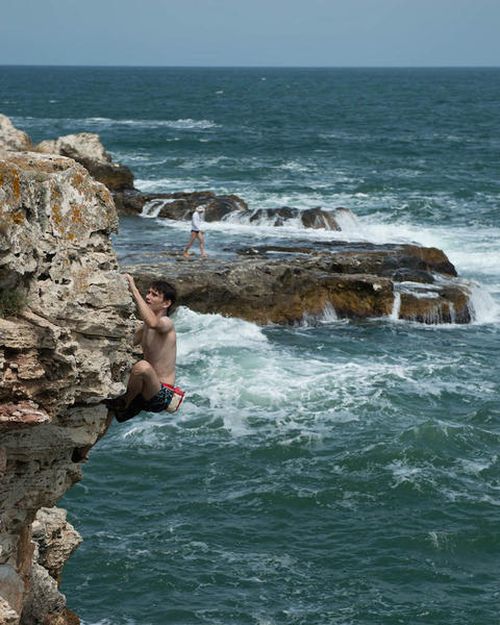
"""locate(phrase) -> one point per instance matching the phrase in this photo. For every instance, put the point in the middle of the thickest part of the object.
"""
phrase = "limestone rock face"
(86, 148)
(10, 137)
(84, 145)
(56, 539)
(65, 329)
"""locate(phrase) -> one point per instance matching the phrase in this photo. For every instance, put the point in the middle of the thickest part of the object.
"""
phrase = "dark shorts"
(158, 403)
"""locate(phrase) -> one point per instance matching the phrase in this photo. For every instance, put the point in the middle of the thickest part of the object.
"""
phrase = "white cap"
(200, 208)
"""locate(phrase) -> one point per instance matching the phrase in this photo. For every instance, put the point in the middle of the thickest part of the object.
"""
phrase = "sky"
(333, 33)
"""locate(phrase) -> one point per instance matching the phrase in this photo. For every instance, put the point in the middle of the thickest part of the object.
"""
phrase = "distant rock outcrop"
(65, 327)
(180, 205)
(309, 218)
(11, 138)
(86, 148)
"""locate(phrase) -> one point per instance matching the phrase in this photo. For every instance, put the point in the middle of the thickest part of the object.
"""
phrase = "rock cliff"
(65, 328)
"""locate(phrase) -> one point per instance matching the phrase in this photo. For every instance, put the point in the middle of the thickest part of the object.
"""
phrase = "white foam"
(294, 166)
(167, 185)
(137, 157)
(347, 221)
(478, 465)
(152, 209)
(177, 124)
(210, 331)
(234, 374)
(396, 306)
(200, 163)
(482, 307)
(404, 473)
(327, 316)
(477, 261)
(99, 123)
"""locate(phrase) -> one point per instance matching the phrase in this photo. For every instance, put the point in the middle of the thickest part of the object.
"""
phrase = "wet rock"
(397, 262)
(272, 292)
(319, 218)
(178, 206)
(283, 284)
(434, 304)
(181, 206)
(310, 218)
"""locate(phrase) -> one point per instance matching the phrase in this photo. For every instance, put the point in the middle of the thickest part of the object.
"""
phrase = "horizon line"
(111, 66)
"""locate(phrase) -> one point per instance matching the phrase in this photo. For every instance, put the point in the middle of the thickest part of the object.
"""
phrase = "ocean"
(330, 473)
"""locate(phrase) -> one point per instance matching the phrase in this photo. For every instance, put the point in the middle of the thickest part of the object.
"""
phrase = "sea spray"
(483, 308)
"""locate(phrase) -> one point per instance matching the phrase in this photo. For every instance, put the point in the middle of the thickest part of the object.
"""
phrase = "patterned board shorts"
(161, 401)
(168, 398)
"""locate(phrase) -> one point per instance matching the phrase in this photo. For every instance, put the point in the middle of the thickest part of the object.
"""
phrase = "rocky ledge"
(286, 285)
(65, 328)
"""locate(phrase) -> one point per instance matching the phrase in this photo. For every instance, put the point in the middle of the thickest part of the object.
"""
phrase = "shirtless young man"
(150, 378)
(146, 388)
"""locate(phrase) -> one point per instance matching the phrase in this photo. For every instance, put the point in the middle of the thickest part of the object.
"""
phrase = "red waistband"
(176, 389)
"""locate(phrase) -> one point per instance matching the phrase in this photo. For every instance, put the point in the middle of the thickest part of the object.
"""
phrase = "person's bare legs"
(190, 243)
(142, 381)
(201, 237)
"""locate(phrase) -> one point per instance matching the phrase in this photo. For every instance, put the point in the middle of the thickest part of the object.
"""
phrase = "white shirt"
(197, 221)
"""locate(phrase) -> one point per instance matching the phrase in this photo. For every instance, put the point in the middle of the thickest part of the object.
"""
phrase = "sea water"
(333, 472)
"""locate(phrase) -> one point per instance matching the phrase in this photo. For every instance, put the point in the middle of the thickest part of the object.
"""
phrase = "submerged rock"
(64, 347)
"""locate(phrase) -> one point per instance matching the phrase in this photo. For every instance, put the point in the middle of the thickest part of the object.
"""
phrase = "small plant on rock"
(12, 302)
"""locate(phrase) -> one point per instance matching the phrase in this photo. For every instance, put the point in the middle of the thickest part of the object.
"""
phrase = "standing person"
(150, 385)
(197, 231)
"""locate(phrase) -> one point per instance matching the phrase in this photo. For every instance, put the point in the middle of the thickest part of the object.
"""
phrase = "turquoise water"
(331, 473)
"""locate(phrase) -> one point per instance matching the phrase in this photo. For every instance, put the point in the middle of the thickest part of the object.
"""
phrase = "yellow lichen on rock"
(17, 217)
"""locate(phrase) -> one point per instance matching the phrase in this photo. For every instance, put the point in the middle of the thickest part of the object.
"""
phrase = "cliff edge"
(65, 329)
